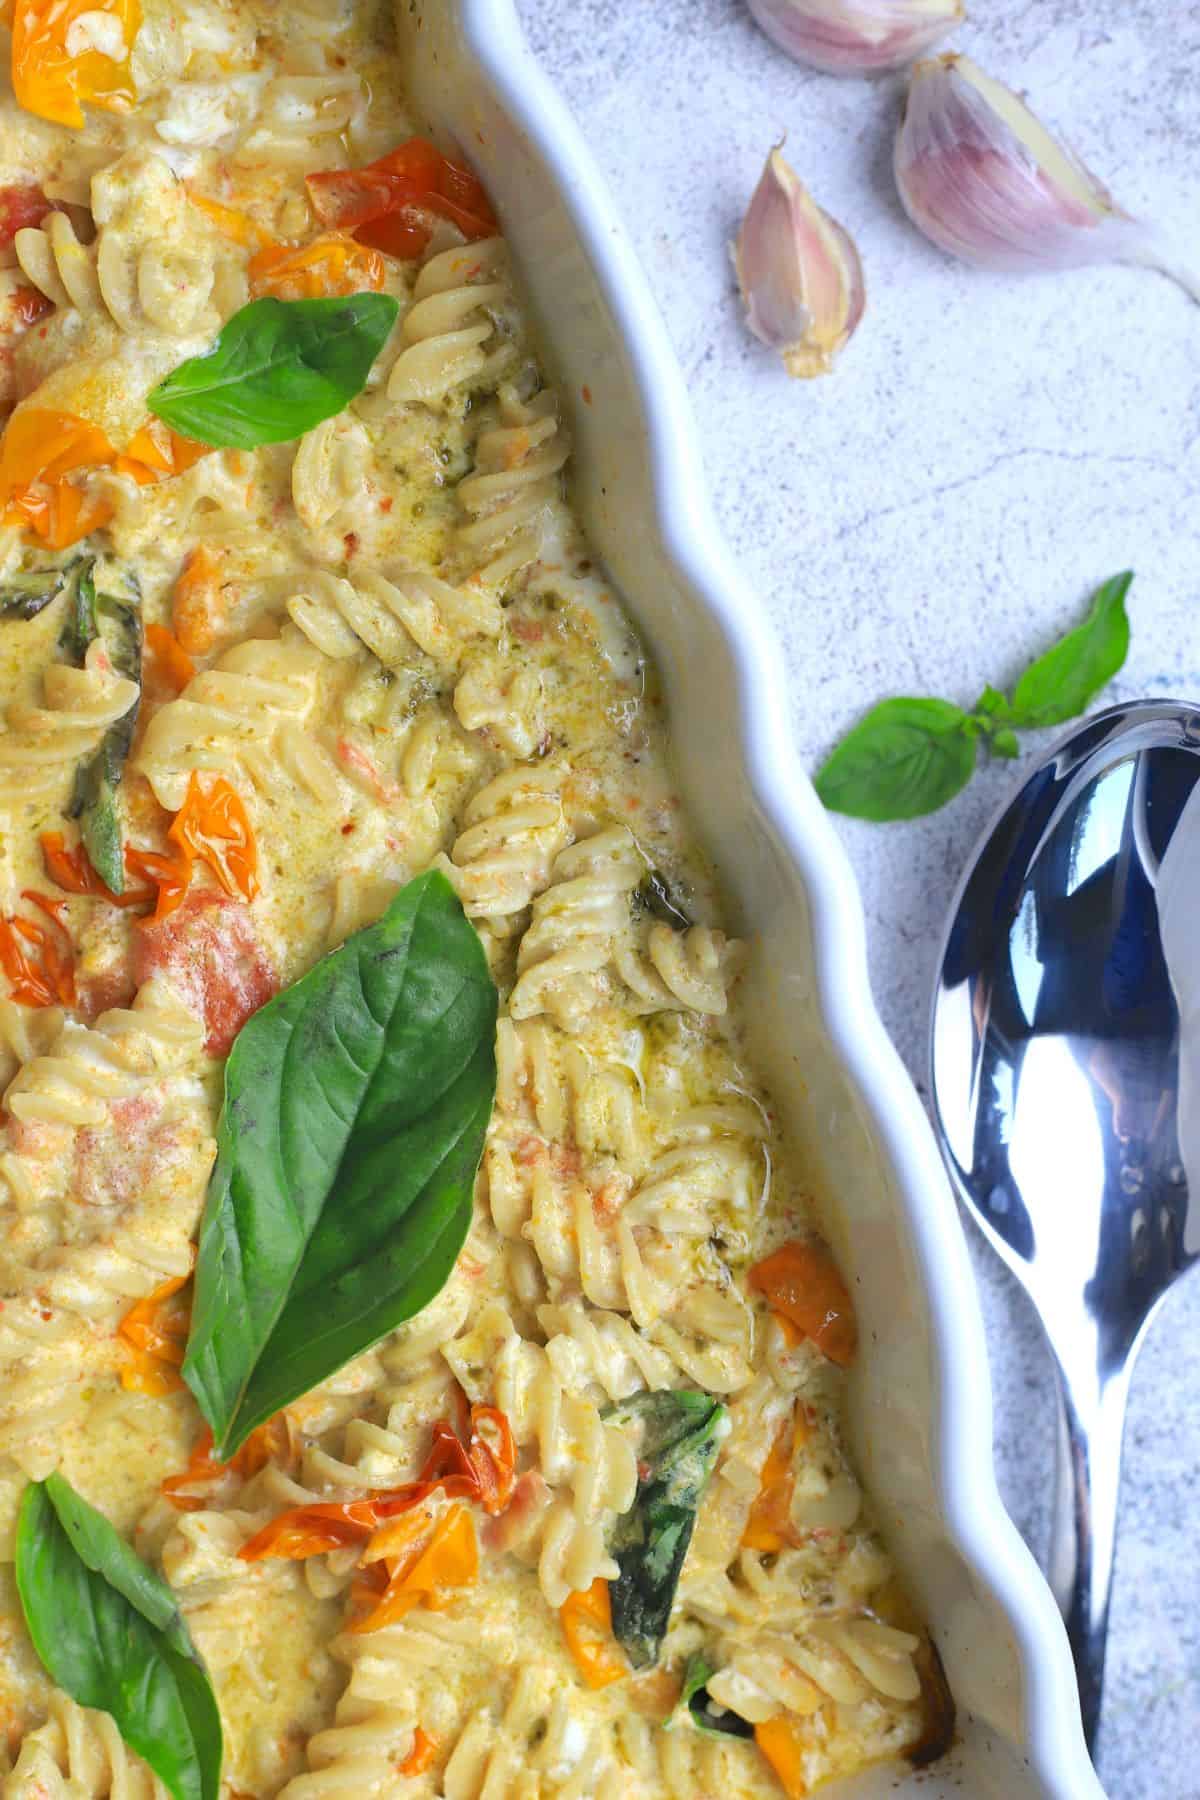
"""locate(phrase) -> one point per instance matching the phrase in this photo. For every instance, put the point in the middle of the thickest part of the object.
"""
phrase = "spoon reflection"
(1056, 1078)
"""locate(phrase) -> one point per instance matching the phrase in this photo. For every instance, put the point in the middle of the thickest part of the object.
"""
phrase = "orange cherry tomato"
(586, 1619)
(65, 52)
(801, 1282)
(330, 265)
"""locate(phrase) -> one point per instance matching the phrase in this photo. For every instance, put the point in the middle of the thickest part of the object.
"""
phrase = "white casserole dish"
(921, 1401)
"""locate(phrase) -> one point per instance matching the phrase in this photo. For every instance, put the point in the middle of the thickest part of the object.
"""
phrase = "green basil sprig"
(278, 368)
(696, 1705)
(654, 895)
(109, 1632)
(356, 1104)
(116, 619)
(677, 1436)
(25, 595)
(909, 756)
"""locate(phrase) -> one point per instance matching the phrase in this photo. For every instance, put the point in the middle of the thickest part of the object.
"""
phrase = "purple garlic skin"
(857, 37)
(982, 177)
(799, 273)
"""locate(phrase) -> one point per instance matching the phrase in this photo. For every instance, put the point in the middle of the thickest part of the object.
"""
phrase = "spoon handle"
(1091, 1424)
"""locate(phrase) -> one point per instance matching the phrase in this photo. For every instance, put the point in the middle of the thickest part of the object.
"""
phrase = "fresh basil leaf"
(278, 368)
(1062, 683)
(717, 1721)
(25, 595)
(356, 1104)
(1004, 743)
(678, 1436)
(653, 895)
(109, 1632)
(907, 757)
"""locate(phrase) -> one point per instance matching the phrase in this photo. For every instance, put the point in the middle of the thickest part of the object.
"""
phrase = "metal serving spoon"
(1056, 1078)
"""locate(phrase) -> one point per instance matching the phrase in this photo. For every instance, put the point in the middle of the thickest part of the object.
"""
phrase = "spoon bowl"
(1056, 1076)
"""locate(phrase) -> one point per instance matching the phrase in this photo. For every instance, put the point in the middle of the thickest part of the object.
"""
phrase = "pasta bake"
(421, 1372)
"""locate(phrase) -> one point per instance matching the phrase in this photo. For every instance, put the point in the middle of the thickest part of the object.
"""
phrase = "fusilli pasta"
(392, 615)
(87, 1067)
(81, 1754)
(585, 947)
(591, 1462)
(251, 705)
(512, 829)
(43, 744)
(515, 481)
(455, 335)
(534, 1750)
(138, 274)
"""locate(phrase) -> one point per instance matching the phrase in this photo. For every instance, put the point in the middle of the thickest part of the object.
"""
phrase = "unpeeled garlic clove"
(985, 180)
(799, 273)
(857, 37)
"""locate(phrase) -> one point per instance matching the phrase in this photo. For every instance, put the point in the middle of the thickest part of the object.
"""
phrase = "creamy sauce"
(406, 656)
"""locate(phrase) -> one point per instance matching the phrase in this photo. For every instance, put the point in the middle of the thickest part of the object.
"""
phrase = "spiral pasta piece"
(43, 744)
(252, 705)
(515, 482)
(79, 1753)
(589, 1462)
(585, 948)
(89, 1066)
(512, 829)
(757, 1415)
(537, 1746)
(565, 955)
(505, 701)
(389, 1692)
(591, 1348)
(689, 969)
(329, 478)
(848, 1661)
(454, 335)
(682, 1763)
(25, 1033)
(391, 615)
(68, 1271)
(302, 118)
(547, 1077)
(216, 497)
(60, 1312)
(150, 268)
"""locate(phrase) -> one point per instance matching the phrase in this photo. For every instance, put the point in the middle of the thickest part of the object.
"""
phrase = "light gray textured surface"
(987, 451)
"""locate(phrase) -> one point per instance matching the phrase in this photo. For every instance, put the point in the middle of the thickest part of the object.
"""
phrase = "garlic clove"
(857, 37)
(799, 273)
(982, 177)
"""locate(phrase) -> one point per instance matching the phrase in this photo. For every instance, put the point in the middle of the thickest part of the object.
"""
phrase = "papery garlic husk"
(982, 177)
(857, 37)
(799, 273)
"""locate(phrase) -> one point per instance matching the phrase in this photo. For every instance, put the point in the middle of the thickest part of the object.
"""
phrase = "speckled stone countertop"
(988, 451)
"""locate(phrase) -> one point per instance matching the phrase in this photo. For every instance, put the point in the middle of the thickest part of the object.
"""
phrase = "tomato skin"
(393, 204)
(209, 951)
(50, 79)
(22, 203)
(331, 264)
